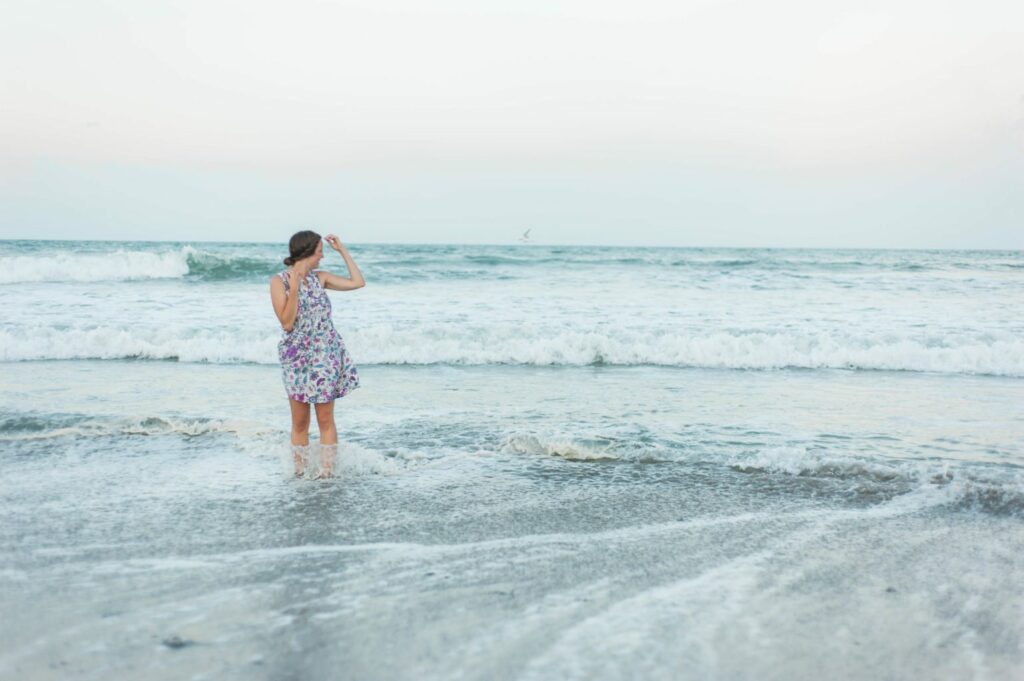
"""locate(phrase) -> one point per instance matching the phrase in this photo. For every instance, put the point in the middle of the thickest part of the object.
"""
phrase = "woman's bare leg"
(325, 422)
(300, 434)
(328, 437)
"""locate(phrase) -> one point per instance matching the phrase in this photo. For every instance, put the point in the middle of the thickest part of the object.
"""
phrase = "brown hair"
(301, 245)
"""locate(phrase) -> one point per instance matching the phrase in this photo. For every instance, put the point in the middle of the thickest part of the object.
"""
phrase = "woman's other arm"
(285, 306)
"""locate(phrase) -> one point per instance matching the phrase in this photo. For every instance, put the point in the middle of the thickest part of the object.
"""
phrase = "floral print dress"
(317, 367)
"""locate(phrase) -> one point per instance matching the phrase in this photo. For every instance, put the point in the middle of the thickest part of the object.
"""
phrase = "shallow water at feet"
(510, 522)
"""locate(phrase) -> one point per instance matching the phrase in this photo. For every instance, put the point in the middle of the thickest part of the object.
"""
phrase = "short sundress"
(316, 365)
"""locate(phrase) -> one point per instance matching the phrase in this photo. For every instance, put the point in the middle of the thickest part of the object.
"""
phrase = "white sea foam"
(798, 460)
(430, 344)
(349, 459)
(43, 429)
(223, 347)
(722, 619)
(564, 448)
(959, 484)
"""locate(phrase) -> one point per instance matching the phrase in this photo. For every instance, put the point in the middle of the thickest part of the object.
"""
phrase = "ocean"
(563, 462)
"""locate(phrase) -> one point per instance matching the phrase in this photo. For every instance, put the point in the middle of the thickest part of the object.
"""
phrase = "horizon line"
(544, 244)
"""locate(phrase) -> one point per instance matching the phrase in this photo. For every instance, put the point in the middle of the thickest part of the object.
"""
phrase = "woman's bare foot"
(327, 455)
(299, 452)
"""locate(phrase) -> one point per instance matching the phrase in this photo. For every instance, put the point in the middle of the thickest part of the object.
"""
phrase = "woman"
(317, 367)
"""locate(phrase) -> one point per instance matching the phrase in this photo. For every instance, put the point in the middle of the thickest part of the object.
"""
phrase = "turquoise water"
(939, 311)
(563, 462)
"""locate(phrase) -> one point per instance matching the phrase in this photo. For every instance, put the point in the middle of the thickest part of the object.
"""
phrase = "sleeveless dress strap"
(313, 274)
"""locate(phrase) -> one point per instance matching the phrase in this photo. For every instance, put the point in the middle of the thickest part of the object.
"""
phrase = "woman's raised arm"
(336, 281)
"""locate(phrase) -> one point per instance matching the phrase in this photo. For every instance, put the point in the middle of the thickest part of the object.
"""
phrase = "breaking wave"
(132, 265)
(425, 344)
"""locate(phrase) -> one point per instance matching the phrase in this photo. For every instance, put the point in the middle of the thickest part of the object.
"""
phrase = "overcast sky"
(791, 123)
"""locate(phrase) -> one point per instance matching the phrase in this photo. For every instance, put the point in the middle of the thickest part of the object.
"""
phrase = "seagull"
(525, 238)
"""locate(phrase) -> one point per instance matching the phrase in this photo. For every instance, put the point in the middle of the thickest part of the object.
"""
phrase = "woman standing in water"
(317, 367)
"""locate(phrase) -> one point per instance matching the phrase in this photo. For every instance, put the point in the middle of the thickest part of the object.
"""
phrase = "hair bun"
(302, 245)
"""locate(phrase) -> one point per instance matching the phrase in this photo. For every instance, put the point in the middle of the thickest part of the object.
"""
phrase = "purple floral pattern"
(317, 367)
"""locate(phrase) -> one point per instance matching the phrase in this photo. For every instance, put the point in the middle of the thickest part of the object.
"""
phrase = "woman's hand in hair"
(334, 242)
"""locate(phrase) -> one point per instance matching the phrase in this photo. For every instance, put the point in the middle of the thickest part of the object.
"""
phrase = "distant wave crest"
(82, 267)
(415, 263)
(125, 265)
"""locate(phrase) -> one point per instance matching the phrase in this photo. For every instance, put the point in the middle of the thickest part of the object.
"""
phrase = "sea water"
(563, 462)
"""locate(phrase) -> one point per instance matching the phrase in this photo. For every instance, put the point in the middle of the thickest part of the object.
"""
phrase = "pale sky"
(792, 123)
